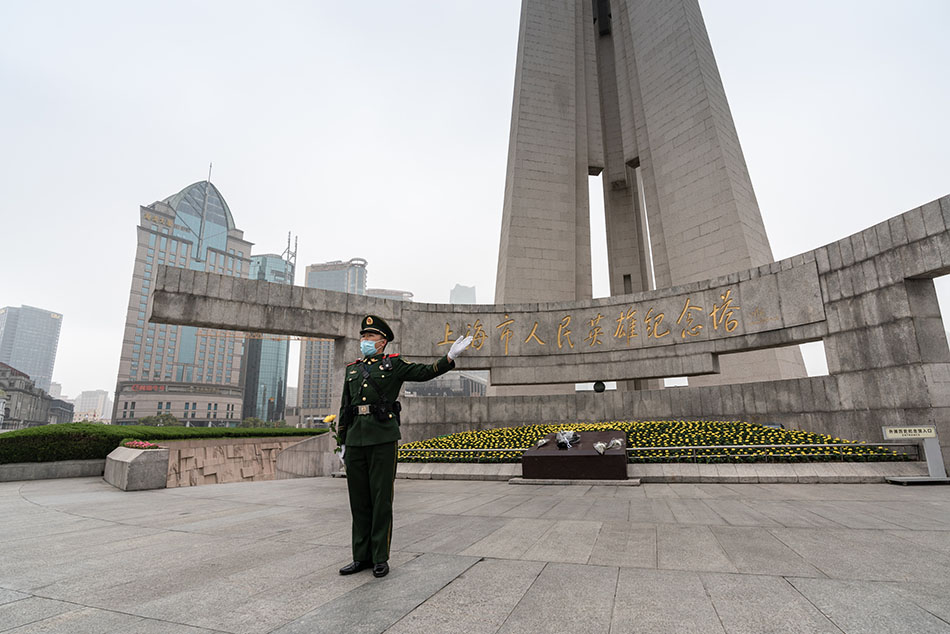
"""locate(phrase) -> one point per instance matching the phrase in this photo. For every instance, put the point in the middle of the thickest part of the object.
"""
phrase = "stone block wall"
(868, 297)
(887, 352)
(217, 460)
(312, 457)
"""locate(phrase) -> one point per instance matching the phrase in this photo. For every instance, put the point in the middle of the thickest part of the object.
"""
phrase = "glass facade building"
(190, 373)
(316, 357)
(29, 338)
(265, 358)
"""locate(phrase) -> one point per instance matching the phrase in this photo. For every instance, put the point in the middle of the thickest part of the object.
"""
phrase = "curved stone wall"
(868, 297)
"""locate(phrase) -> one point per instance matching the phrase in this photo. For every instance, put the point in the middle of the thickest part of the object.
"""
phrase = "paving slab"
(570, 507)
(655, 511)
(693, 511)
(30, 610)
(534, 506)
(8, 596)
(83, 621)
(755, 604)
(757, 551)
(645, 603)
(938, 541)
(453, 534)
(791, 514)
(740, 513)
(275, 607)
(474, 556)
(690, 548)
(627, 544)
(510, 541)
(478, 601)
(933, 597)
(863, 606)
(853, 515)
(377, 605)
(569, 541)
(610, 508)
(498, 505)
(868, 555)
(566, 598)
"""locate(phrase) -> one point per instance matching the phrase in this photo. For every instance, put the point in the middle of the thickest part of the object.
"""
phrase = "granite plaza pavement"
(476, 556)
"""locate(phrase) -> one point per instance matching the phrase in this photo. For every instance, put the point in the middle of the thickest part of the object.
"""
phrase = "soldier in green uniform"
(369, 429)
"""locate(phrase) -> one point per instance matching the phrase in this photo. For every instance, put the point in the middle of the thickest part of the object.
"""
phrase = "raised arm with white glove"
(459, 347)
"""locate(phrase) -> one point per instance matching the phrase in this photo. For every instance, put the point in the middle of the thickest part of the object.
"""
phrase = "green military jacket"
(365, 429)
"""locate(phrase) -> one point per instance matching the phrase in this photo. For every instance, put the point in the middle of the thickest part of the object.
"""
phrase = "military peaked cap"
(372, 323)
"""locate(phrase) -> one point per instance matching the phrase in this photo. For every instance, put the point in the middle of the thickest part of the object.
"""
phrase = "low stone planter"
(137, 469)
(47, 470)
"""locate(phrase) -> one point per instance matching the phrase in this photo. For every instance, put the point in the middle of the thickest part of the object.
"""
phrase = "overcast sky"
(380, 130)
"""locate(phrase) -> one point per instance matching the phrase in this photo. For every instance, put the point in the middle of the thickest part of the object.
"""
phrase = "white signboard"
(904, 433)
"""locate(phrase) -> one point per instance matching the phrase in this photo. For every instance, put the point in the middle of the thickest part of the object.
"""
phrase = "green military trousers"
(370, 473)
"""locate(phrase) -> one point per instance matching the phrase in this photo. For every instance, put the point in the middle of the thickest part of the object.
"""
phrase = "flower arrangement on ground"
(140, 444)
(655, 441)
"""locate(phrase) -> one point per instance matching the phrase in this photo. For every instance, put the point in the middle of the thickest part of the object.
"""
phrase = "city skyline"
(838, 134)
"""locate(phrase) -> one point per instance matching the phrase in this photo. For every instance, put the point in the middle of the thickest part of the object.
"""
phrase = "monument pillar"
(630, 89)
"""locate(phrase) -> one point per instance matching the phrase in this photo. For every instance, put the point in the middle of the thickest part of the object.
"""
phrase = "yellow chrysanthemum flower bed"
(659, 441)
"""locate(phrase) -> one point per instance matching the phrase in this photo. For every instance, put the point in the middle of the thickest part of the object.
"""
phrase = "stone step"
(744, 473)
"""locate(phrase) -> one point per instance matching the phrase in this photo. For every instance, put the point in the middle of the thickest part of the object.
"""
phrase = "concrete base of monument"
(578, 462)
(743, 473)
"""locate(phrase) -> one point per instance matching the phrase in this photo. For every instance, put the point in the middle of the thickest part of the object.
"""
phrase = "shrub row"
(84, 441)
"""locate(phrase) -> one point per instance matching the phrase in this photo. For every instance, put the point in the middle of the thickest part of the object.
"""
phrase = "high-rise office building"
(316, 356)
(462, 295)
(190, 373)
(265, 357)
(28, 340)
(92, 405)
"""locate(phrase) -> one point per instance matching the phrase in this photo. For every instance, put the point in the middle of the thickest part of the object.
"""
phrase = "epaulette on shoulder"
(393, 355)
(354, 363)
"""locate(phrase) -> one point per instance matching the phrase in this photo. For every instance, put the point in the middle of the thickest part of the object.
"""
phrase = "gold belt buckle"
(362, 409)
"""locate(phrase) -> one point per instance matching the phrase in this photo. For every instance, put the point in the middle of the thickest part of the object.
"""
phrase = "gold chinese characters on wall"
(597, 329)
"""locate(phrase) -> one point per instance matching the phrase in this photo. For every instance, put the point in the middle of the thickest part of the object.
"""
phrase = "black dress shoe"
(356, 566)
(381, 570)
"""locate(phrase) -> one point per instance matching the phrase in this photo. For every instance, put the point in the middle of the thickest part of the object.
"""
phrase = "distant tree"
(162, 420)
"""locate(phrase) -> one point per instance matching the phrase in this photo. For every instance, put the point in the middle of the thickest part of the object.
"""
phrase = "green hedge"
(84, 441)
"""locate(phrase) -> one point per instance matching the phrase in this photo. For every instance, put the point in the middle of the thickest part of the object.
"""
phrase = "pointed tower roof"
(195, 193)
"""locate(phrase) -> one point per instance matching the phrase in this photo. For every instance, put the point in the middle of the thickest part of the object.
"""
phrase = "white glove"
(459, 346)
(342, 451)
